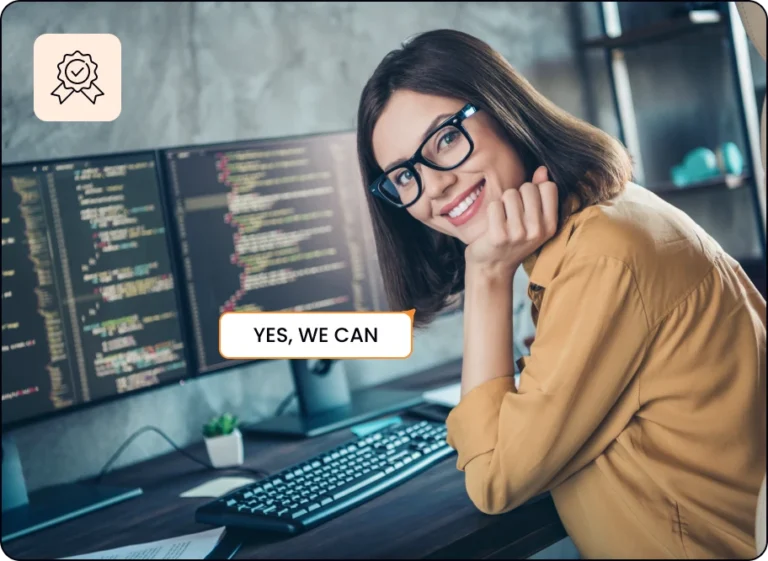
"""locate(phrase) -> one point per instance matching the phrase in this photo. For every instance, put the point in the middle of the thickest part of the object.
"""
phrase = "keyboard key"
(358, 485)
(326, 501)
(313, 506)
(299, 513)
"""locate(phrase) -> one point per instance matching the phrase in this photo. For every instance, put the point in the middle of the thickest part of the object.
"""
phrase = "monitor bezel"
(191, 368)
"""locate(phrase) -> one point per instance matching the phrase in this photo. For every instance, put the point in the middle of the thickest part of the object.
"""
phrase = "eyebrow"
(436, 121)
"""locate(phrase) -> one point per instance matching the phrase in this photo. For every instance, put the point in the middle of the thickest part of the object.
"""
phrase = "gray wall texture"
(209, 72)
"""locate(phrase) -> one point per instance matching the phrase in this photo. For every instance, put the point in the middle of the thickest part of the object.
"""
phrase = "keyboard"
(309, 493)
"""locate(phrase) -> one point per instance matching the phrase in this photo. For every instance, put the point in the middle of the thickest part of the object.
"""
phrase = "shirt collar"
(541, 266)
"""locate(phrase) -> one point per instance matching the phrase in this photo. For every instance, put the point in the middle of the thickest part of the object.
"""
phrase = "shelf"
(726, 182)
(658, 32)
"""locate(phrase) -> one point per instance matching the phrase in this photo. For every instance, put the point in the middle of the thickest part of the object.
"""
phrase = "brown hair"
(422, 268)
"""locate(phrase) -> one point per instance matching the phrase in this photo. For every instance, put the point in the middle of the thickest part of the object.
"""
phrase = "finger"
(540, 175)
(532, 210)
(513, 205)
(497, 229)
(550, 206)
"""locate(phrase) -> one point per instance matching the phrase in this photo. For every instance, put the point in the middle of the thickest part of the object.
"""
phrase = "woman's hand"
(517, 226)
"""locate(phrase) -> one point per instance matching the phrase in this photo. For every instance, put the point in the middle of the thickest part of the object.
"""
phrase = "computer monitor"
(90, 307)
(279, 225)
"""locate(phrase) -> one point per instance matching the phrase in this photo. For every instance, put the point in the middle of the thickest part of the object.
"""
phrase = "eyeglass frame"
(410, 164)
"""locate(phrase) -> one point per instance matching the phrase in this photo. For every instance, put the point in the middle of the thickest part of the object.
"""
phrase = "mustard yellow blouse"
(642, 406)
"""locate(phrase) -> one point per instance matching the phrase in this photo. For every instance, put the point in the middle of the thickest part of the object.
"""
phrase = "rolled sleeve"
(473, 424)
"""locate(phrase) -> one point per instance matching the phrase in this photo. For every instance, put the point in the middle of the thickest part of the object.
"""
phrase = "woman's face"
(452, 202)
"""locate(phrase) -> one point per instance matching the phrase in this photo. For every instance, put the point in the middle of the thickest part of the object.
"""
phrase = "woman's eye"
(447, 139)
(404, 178)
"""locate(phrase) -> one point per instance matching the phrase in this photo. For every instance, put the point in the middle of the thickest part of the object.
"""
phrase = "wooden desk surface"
(428, 516)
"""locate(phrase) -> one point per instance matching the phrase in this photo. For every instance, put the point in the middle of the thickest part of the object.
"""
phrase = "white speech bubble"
(274, 335)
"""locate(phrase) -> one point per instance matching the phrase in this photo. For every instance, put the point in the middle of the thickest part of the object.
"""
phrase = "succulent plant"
(220, 425)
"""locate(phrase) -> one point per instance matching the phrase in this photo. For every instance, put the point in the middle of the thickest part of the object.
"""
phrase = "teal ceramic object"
(729, 158)
(700, 164)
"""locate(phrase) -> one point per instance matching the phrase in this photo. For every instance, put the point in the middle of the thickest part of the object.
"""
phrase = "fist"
(518, 225)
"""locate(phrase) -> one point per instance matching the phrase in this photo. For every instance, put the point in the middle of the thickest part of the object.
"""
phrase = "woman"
(642, 405)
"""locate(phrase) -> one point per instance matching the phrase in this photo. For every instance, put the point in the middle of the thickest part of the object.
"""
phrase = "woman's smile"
(465, 206)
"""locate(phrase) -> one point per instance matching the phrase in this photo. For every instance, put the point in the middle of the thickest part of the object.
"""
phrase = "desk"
(429, 516)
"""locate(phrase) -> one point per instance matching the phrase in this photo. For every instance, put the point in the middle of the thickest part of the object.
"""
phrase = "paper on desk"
(217, 487)
(449, 396)
(191, 546)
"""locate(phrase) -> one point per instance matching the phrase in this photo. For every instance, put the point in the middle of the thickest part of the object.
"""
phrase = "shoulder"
(663, 248)
(639, 228)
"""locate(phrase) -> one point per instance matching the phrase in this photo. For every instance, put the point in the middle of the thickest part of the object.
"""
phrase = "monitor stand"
(26, 513)
(326, 403)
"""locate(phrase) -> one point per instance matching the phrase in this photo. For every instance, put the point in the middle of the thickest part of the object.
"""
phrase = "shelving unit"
(725, 24)
(713, 184)
(656, 33)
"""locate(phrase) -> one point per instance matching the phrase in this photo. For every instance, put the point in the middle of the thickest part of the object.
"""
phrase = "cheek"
(421, 211)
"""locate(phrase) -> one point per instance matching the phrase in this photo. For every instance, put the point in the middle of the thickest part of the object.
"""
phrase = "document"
(449, 396)
(217, 487)
(191, 546)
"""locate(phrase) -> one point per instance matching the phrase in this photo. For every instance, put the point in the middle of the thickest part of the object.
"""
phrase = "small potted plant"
(223, 441)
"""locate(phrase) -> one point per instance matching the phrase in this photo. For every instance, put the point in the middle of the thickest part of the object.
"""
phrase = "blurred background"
(680, 84)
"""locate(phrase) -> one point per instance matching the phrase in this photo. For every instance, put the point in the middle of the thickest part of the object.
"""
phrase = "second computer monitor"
(272, 225)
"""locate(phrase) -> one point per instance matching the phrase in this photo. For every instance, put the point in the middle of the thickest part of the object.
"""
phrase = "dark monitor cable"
(320, 368)
(142, 430)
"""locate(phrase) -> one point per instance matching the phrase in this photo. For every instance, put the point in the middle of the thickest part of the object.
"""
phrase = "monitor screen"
(271, 225)
(89, 303)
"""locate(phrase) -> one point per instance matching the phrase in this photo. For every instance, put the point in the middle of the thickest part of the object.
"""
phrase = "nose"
(436, 182)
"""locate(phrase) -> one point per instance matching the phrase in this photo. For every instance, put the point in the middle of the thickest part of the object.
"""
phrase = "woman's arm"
(488, 345)
(517, 225)
(591, 338)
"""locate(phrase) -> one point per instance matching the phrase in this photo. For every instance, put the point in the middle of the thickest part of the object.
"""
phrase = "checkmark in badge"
(77, 77)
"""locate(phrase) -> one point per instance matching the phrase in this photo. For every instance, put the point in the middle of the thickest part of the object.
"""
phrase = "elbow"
(494, 495)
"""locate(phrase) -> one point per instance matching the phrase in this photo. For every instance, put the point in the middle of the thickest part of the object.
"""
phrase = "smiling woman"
(649, 356)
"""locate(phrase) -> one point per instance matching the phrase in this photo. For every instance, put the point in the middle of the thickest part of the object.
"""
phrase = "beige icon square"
(77, 77)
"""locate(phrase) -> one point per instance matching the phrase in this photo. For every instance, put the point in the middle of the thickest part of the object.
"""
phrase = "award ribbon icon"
(77, 73)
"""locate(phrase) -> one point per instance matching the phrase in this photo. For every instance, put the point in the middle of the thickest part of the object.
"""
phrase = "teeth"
(462, 207)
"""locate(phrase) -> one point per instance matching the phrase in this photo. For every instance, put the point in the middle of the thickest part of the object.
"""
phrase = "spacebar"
(359, 485)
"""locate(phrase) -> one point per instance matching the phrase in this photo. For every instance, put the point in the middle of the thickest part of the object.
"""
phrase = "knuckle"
(509, 195)
(516, 235)
(551, 229)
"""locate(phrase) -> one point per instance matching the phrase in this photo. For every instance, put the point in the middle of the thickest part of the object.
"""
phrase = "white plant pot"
(225, 451)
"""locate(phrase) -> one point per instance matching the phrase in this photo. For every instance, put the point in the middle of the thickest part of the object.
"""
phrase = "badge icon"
(77, 73)
(77, 77)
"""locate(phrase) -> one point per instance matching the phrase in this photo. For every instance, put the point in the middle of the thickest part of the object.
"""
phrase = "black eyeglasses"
(446, 148)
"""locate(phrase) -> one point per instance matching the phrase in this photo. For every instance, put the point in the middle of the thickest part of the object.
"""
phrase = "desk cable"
(142, 430)
(279, 411)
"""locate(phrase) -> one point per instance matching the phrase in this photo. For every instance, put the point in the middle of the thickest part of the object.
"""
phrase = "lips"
(465, 206)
